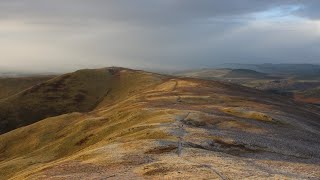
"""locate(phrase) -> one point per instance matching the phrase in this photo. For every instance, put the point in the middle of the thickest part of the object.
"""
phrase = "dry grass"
(11, 86)
(55, 138)
(81, 91)
(242, 126)
(131, 131)
(248, 114)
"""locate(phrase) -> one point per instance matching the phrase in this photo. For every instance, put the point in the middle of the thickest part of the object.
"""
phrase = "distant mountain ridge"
(298, 81)
(298, 69)
(244, 73)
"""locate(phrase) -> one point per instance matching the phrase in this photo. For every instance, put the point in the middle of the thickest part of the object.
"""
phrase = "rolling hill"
(287, 69)
(204, 73)
(80, 91)
(244, 73)
(222, 73)
(132, 124)
(295, 82)
(11, 86)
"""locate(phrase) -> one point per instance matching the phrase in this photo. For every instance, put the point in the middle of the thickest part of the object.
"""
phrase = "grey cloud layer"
(70, 34)
(148, 11)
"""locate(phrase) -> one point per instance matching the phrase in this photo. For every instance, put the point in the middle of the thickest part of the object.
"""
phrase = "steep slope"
(11, 86)
(80, 91)
(165, 127)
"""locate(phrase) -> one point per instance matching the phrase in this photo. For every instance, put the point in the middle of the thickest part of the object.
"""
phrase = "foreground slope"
(164, 127)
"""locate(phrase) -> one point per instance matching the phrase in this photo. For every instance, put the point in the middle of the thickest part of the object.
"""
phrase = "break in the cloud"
(63, 35)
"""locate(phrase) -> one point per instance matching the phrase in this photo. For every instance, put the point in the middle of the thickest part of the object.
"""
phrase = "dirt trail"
(181, 134)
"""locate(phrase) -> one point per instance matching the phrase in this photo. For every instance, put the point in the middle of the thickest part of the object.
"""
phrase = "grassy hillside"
(302, 87)
(311, 95)
(288, 69)
(80, 91)
(217, 74)
(11, 86)
(205, 73)
(244, 73)
(226, 132)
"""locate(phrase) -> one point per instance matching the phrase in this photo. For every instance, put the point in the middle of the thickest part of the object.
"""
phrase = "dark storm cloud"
(71, 34)
(310, 9)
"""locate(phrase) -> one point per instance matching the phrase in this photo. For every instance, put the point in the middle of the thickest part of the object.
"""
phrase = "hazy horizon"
(62, 36)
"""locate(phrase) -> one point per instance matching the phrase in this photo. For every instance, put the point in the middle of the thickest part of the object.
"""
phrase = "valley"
(300, 85)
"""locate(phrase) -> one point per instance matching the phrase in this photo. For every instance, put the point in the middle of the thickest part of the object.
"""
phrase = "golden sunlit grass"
(248, 114)
(55, 138)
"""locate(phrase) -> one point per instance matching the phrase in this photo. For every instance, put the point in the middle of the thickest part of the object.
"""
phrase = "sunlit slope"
(222, 74)
(11, 86)
(80, 91)
(225, 131)
(205, 73)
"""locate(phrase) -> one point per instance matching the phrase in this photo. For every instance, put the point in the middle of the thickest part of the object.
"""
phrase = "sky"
(65, 35)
